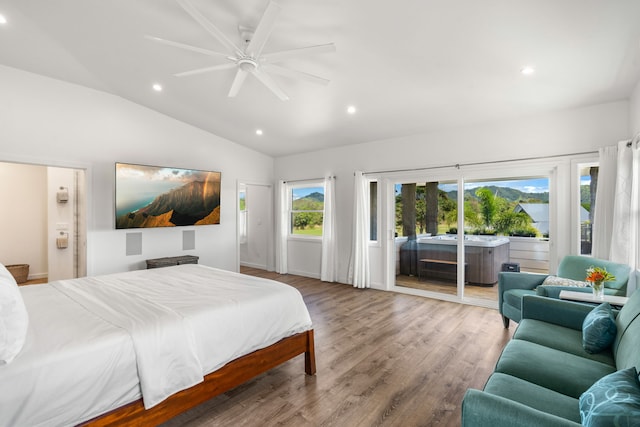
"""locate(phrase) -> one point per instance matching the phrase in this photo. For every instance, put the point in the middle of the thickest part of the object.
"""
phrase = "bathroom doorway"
(44, 222)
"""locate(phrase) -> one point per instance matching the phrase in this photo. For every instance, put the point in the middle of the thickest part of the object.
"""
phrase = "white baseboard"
(305, 274)
(252, 265)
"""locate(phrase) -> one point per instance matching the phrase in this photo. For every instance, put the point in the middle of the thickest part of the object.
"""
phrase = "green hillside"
(507, 193)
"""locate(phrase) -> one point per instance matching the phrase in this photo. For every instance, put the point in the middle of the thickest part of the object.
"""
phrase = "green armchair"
(513, 286)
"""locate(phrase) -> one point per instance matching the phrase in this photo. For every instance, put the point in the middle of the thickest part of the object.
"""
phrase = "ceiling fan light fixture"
(247, 64)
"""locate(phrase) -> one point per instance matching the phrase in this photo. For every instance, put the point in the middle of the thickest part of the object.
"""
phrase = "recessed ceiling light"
(351, 109)
(258, 131)
(528, 70)
(3, 20)
(157, 87)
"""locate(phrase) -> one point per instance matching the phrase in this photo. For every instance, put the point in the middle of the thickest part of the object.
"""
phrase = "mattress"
(93, 341)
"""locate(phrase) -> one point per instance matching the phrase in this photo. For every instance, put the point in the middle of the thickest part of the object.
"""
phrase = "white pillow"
(13, 317)
(561, 281)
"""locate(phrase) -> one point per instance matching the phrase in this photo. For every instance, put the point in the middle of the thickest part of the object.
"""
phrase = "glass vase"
(598, 290)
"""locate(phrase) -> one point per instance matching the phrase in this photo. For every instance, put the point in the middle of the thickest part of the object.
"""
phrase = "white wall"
(46, 121)
(559, 133)
(634, 111)
(23, 217)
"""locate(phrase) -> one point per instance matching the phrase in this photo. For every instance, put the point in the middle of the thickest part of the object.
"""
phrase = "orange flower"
(599, 274)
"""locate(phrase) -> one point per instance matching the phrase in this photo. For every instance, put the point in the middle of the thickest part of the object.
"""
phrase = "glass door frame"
(551, 168)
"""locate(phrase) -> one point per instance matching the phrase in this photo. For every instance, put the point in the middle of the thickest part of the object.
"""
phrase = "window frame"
(576, 166)
(291, 211)
(242, 217)
(378, 227)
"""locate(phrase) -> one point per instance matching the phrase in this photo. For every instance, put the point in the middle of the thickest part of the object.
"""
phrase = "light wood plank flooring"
(383, 359)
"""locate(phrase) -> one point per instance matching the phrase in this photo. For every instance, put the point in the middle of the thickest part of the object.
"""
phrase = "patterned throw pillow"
(561, 281)
(613, 400)
(598, 329)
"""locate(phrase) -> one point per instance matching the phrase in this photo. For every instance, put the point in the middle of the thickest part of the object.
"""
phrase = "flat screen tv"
(153, 196)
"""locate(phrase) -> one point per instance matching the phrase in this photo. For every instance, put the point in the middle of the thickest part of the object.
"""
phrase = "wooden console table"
(172, 260)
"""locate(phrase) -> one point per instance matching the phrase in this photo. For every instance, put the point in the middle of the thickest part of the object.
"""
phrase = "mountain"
(312, 201)
(510, 194)
(186, 205)
(319, 197)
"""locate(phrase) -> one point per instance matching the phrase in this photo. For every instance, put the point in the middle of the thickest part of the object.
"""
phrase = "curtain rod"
(308, 179)
(635, 138)
(458, 165)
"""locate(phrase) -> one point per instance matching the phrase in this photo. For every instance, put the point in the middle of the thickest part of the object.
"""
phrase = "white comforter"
(97, 343)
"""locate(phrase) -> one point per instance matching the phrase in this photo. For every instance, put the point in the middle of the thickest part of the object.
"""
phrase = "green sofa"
(513, 286)
(544, 369)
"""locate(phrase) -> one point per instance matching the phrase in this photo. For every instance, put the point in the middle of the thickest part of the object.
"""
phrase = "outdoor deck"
(448, 287)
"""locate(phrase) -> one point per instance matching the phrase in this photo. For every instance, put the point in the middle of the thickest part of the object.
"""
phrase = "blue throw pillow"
(613, 400)
(598, 329)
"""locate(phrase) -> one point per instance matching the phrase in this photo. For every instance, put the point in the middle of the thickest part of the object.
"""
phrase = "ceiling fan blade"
(207, 25)
(268, 82)
(241, 75)
(260, 36)
(188, 47)
(206, 70)
(295, 74)
(286, 54)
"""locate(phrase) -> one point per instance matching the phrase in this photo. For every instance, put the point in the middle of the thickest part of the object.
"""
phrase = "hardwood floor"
(383, 359)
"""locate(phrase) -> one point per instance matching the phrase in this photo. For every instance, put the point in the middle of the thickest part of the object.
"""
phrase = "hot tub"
(483, 255)
(449, 239)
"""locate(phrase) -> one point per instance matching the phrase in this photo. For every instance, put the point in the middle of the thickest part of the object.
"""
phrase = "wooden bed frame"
(229, 376)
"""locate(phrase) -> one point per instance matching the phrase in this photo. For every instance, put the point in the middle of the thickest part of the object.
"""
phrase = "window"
(588, 185)
(373, 211)
(242, 220)
(307, 210)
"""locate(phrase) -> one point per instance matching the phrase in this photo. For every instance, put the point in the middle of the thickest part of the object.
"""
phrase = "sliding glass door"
(452, 237)
(425, 236)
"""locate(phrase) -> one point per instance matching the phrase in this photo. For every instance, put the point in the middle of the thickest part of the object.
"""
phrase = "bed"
(143, 346)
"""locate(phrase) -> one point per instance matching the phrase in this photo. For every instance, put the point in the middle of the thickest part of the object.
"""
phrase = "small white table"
(588, 297)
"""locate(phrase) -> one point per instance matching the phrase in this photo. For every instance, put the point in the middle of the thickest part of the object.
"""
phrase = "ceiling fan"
(249, 58)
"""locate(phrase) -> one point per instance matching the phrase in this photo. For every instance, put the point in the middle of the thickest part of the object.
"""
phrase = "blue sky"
(299, 193)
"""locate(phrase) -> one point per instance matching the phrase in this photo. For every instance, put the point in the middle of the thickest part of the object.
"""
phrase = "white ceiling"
(410, 66)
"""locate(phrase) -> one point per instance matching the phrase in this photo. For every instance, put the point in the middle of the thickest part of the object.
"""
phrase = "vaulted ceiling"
(408, 66)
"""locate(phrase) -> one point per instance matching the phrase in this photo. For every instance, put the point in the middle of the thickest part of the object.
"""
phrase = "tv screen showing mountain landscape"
(152, 196)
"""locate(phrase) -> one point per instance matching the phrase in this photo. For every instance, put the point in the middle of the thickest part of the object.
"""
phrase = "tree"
(408, 210)
(488, 206)
(431, 196)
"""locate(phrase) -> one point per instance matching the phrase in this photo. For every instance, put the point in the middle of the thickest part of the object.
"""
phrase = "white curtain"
(625, 233)
(605, 194)
(359, 274)
(616, 232)
(329, 266)
(282, 226)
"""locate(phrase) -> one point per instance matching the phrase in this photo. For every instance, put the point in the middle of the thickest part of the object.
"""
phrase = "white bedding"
(82, 355)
